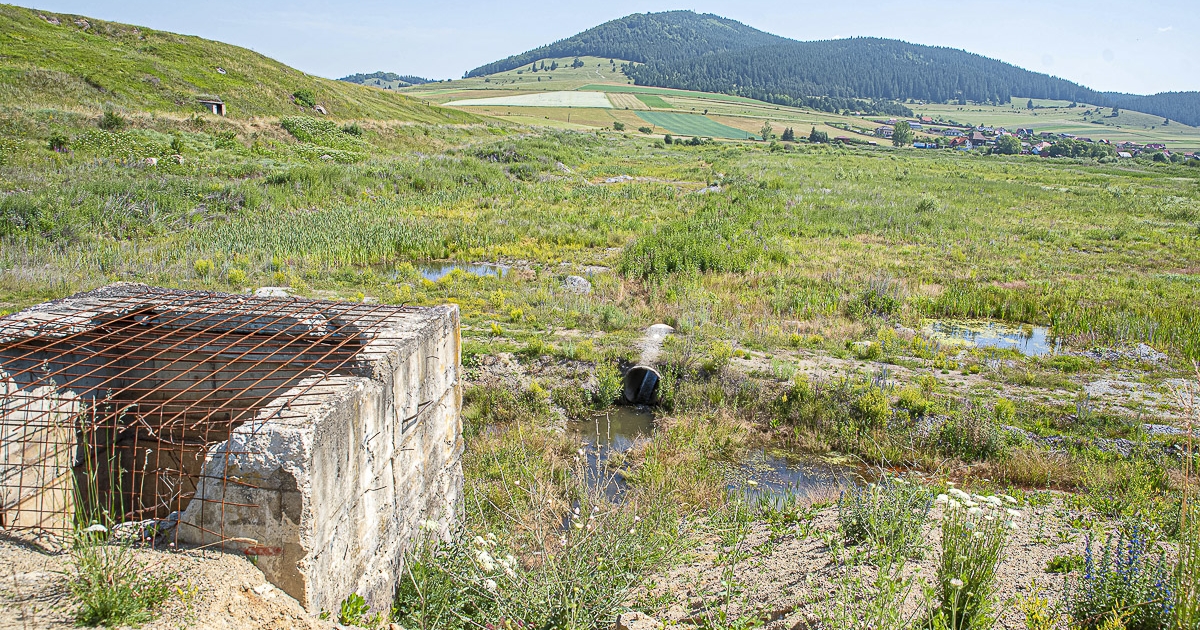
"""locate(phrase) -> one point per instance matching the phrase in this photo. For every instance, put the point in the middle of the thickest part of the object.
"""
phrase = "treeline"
(385, 76)
(644, 37)
(1183, 107)
(859, 68)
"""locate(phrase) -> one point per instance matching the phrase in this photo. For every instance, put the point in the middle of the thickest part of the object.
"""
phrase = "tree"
(619, 126)
(818, 137)
(667, 139)
(1116, 111)
(765, 132)
(1007, 145)
(578, 63)
(902, 134)
(788, 135)
(1029, 105)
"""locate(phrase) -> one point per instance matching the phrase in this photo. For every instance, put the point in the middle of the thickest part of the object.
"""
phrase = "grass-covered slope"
(57, 60)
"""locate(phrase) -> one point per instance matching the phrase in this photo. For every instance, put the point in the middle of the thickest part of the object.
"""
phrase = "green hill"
(56, 60)
(686, 50)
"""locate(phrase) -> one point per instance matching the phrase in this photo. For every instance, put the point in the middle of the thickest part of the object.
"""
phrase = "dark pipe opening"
(641, 385)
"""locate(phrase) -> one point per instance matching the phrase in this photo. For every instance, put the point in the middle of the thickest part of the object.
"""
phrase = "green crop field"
(653, 100)
(692, 125)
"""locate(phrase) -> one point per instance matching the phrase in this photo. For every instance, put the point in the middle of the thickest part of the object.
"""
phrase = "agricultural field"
(541, 99)
(692, 125)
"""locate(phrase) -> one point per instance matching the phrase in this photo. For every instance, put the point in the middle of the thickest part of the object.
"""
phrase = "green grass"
(108, 64)
(693, 125)
(653, 100)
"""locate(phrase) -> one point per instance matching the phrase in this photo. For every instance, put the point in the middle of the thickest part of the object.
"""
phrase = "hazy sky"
(1139, 46)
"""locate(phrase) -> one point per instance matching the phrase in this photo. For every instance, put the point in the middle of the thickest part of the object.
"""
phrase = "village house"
(884, 131)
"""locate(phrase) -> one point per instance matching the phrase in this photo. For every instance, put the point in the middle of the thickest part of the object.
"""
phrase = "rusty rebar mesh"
(112, 399)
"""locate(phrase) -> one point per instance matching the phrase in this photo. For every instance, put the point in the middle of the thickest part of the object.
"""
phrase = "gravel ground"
(215, 590)
(787, 577)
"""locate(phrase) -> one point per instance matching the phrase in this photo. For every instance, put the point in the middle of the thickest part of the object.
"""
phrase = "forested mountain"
(400, 80)
(671, 36)
(682, 49)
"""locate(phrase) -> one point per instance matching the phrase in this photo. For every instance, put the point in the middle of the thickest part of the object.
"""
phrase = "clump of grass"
(1127, 582)
(112, 586)
(974, 534)
(889, 515)
(111, 121)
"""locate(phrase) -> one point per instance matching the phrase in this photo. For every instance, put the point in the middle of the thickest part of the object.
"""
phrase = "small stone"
(636, 621)
(578, 284)
(263, 589)
(150, 161)
(273, 292)
(320, 110)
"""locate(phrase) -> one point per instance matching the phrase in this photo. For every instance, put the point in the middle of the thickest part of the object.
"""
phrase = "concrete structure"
(318, 437)
(213, 104)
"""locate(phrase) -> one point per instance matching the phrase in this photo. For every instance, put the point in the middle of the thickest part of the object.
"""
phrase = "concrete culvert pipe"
(641, 385)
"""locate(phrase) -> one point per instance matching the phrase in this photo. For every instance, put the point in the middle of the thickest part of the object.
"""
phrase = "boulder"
(578, 284)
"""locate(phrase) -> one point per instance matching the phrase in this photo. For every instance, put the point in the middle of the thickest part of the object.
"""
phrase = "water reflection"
(1028, 340)
(608, 436)
(773, 474)
(434, 271)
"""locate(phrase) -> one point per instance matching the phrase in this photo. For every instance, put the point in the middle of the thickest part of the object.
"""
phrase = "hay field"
(541, 99)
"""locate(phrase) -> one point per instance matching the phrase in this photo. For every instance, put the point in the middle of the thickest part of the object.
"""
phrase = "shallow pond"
(1028, 340)
(776, 475)
(609, 433)
(434, 271)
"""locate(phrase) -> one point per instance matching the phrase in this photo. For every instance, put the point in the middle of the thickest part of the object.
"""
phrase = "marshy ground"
(1012, 325)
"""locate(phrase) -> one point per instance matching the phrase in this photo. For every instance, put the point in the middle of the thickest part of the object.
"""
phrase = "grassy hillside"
(57, 60)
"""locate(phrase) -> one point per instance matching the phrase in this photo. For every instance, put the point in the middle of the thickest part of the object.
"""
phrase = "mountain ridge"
(706, 52)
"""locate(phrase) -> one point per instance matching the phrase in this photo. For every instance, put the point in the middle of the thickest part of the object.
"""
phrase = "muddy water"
(610, 433)
(775, 474)
(1028, 340)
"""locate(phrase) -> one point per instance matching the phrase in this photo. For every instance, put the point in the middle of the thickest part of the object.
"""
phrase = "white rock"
(273, 292)
(578, 284)
(636, 621)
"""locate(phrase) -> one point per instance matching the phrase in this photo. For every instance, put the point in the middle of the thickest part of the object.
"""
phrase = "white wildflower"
(959, 494)
(956, 583)
(479, 541)
(751, 482)
(975, 510)
(485, 561)
(96, 528)
(490, 585)
(977, 535)
(1012, 525)
(1008, 499)
(954, 504)
(637, 519)
(941, 498)
(1013, 513)
(969, 503)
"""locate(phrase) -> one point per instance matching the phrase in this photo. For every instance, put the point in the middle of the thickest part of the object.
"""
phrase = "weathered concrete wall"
(330, 491)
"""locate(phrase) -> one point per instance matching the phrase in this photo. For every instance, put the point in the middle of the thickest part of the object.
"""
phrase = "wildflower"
(1013, 513)
(485, 561)
(969, 503)
(490, 585)
(941, 498)
(578, 525)
(977, 535)
(96, 528)
(1012, 525)
(751, 482)
(581, 451)
(959, 494)
(595, 509)
(956, 583)
(491, 538)
(975, 510)
(576, 511)
(431, 526)
(637, 519)
(479, 541)
(1008, 499)
(954, 504)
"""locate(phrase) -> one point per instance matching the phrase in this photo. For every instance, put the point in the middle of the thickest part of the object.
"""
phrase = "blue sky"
(1140, 47)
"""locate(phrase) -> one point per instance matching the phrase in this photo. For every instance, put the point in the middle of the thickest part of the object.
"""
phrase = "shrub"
(719, 354)
(974, 534)
(618, 126)
(927, 204)
(305, 98)
(204, 267)
(1126, 580)
(608, 385)
(870, 407)
(352, 129)
(645, 130)
(112, 587)
(59, 142)
(353, 612)
(913, 400)
(971, 434)
(111, 121)
(236, 277)
(888, 515)
(176, 144)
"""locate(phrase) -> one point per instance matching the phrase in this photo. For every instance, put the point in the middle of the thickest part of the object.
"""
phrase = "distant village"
(966, 138)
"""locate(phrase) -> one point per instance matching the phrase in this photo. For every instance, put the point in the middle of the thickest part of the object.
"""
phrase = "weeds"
(113, 587)
(974, 535)
(889, 515)
(1128, 582)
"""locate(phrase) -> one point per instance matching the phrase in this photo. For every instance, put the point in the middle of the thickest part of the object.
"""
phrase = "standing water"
(434, 271)
(1028, 340)
(776, 475)
(608, 435)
